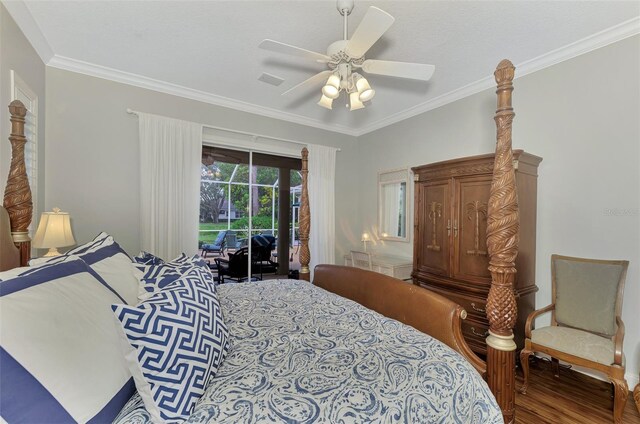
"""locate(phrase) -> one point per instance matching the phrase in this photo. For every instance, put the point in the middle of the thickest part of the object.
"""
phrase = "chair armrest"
(220, 260)
(617, 340)
(533, 315)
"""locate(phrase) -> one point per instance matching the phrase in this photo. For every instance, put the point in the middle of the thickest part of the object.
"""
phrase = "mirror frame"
(402, 175)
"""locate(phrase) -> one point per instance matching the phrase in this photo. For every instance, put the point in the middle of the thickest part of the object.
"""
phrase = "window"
(21, 91)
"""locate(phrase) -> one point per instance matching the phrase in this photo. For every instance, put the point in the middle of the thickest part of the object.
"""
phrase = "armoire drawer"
(474, 306)
(474, 332)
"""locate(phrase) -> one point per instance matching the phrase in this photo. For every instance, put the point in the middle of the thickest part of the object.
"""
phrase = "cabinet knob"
(448, 227)
(455, 228)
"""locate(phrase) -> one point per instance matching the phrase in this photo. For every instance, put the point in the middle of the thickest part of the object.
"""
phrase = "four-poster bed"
(431, 314)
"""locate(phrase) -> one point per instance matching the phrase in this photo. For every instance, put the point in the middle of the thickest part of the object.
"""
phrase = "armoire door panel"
(434, 226)
(471, 260)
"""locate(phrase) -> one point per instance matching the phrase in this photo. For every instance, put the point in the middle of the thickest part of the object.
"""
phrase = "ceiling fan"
(346, 56)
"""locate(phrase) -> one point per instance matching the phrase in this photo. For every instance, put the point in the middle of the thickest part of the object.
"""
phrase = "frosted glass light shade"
(365, 90)
(354, 100)
(54, 231)
(332, 88)
(326, 102)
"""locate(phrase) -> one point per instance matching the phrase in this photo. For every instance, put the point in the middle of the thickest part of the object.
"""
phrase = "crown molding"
(140, 81)
(595, 41)
(23, 17)
(21, 14)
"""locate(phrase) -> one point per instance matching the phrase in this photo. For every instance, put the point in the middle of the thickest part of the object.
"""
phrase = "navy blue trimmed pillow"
(109, 260)
(172, 367)
(59, 352)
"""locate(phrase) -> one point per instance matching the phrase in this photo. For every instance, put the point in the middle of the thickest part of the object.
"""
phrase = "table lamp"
(365, 239)
(53, 231)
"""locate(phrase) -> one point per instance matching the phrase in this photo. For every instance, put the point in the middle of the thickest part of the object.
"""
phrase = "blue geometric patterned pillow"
(175, 342)
(146, 258)
(156, 277)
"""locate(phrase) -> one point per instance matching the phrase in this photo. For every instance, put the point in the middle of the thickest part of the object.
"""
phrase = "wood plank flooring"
(574, 398)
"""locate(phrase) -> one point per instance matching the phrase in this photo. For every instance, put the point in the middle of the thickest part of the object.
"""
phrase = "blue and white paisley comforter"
(300, 354)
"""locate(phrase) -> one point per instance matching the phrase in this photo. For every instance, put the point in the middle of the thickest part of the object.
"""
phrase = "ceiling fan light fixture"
(345, 56)
(326, 102)
(332, 87)
(354, 100)
(365, 91)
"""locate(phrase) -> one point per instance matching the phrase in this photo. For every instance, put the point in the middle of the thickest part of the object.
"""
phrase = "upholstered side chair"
(586, 325)
(218, 246)
(361, 260)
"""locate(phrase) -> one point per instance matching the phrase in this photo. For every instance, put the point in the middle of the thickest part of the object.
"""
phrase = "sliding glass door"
(247, 212)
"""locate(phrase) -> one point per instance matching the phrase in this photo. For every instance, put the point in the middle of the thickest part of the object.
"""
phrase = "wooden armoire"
(450, 246)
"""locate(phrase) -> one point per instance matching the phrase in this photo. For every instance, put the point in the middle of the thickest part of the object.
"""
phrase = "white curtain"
(322, 175)
(170, 160)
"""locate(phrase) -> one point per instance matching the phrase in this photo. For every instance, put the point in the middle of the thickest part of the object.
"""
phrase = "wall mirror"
(393, 199)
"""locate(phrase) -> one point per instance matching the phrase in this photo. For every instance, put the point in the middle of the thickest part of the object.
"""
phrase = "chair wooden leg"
(555, 366)
(621, 393)
(524, 362)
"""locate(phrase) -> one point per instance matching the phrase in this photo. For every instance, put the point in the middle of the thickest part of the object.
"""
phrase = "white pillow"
(108, 259)
(59, 352)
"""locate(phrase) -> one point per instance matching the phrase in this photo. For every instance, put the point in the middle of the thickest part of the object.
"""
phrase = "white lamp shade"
(365, 90)
(326, 102)
(54, 230)
(332, 87)
(354, 100)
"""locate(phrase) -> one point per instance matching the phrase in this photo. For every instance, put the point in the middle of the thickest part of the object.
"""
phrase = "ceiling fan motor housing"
(345, 5)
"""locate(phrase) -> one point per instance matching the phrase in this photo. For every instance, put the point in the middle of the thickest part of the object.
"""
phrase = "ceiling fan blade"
(314, 80)
(417, 71)
(276, 46)
(375, 23)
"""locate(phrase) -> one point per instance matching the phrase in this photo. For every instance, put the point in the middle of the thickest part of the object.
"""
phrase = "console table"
(393, 266)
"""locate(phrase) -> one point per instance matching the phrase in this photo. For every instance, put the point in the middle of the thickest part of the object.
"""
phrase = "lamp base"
(53, 251)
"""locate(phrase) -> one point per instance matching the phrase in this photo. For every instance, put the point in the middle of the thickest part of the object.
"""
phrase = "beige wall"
(17, 54)
(92, 161)
(582, 117)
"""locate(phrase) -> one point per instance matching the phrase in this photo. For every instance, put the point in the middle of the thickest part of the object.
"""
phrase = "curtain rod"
(254, 135)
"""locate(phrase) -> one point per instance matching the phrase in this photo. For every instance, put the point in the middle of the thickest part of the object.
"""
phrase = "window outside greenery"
(224, 199)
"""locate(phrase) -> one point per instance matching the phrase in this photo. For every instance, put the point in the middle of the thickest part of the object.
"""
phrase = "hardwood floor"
(571, 399)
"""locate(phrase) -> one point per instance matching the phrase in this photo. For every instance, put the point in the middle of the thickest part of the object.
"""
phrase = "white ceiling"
(207, 50)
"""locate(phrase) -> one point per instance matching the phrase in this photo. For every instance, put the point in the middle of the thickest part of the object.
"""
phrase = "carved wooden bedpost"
(305, 220)
(502, 242)
(17, 193)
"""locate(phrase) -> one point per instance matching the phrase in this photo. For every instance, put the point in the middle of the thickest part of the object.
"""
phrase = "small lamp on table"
(365, 239)
(54, 231)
